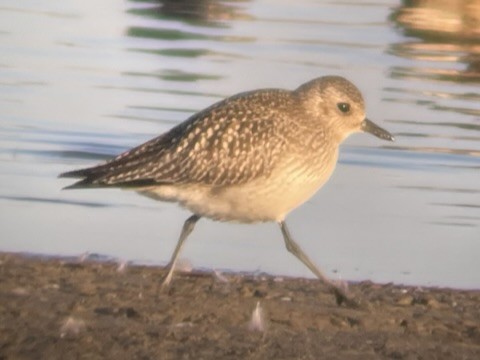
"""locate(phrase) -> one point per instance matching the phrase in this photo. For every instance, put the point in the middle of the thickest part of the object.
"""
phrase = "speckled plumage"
(252, 157)
(230, 143)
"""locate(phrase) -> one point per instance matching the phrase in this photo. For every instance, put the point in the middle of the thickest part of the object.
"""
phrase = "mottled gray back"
(231, 142)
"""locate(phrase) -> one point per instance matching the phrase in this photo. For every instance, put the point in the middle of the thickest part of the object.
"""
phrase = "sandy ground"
(69, 309)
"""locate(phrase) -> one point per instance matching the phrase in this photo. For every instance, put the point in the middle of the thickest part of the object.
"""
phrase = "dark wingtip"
(84, 174)
(89, 183)
(70, 187)
(75, 173)
(82, 184)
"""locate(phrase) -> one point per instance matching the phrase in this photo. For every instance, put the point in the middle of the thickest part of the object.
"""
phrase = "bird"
(250, 158)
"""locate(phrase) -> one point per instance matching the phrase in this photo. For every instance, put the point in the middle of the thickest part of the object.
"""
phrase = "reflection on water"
(211, 13)
(440, 46)
(446, 31)
(81, 82)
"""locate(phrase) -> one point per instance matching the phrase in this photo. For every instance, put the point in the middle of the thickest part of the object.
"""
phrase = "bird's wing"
(229, 143)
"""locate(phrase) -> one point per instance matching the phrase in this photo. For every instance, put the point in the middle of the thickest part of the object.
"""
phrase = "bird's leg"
(294, 248)
(186, 230)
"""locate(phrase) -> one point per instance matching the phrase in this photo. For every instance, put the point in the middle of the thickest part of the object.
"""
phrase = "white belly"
(264, 199)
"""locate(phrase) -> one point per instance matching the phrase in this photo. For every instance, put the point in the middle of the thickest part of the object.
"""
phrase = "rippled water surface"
(81, 81)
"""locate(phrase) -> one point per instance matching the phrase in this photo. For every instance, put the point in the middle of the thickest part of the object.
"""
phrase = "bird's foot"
(342, 298)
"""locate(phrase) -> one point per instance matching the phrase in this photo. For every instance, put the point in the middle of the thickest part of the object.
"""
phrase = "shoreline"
(57, 306)
(88, 257)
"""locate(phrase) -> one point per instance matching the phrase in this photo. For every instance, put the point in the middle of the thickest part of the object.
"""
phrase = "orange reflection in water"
(440, 31)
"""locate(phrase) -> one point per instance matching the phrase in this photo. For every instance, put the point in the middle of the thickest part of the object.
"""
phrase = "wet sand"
(71, 309)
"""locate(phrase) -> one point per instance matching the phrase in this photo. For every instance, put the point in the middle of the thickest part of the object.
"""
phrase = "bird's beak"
(376, 130)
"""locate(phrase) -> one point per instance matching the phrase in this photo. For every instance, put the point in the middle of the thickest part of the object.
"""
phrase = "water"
(83, 81)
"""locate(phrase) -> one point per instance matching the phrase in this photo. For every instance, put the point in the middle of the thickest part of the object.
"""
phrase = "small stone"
(257, 321)
(434, 303)
(220, 277)
(20, 291)
(405, 300)
(71, 327)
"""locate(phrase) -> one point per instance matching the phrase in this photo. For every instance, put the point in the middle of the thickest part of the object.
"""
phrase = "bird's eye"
(344, 107)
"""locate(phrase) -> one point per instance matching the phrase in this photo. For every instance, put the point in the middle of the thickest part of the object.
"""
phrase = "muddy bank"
(58, 309)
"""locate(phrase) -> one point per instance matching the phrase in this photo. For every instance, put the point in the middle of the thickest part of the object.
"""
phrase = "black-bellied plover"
(252, 157)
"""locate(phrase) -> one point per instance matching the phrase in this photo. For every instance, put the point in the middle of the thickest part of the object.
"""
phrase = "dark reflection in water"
(199, 13)
(440, 31)
(210, 13)
(187, 29)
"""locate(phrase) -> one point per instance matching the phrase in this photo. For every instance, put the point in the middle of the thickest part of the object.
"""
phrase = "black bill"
(376, 130)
